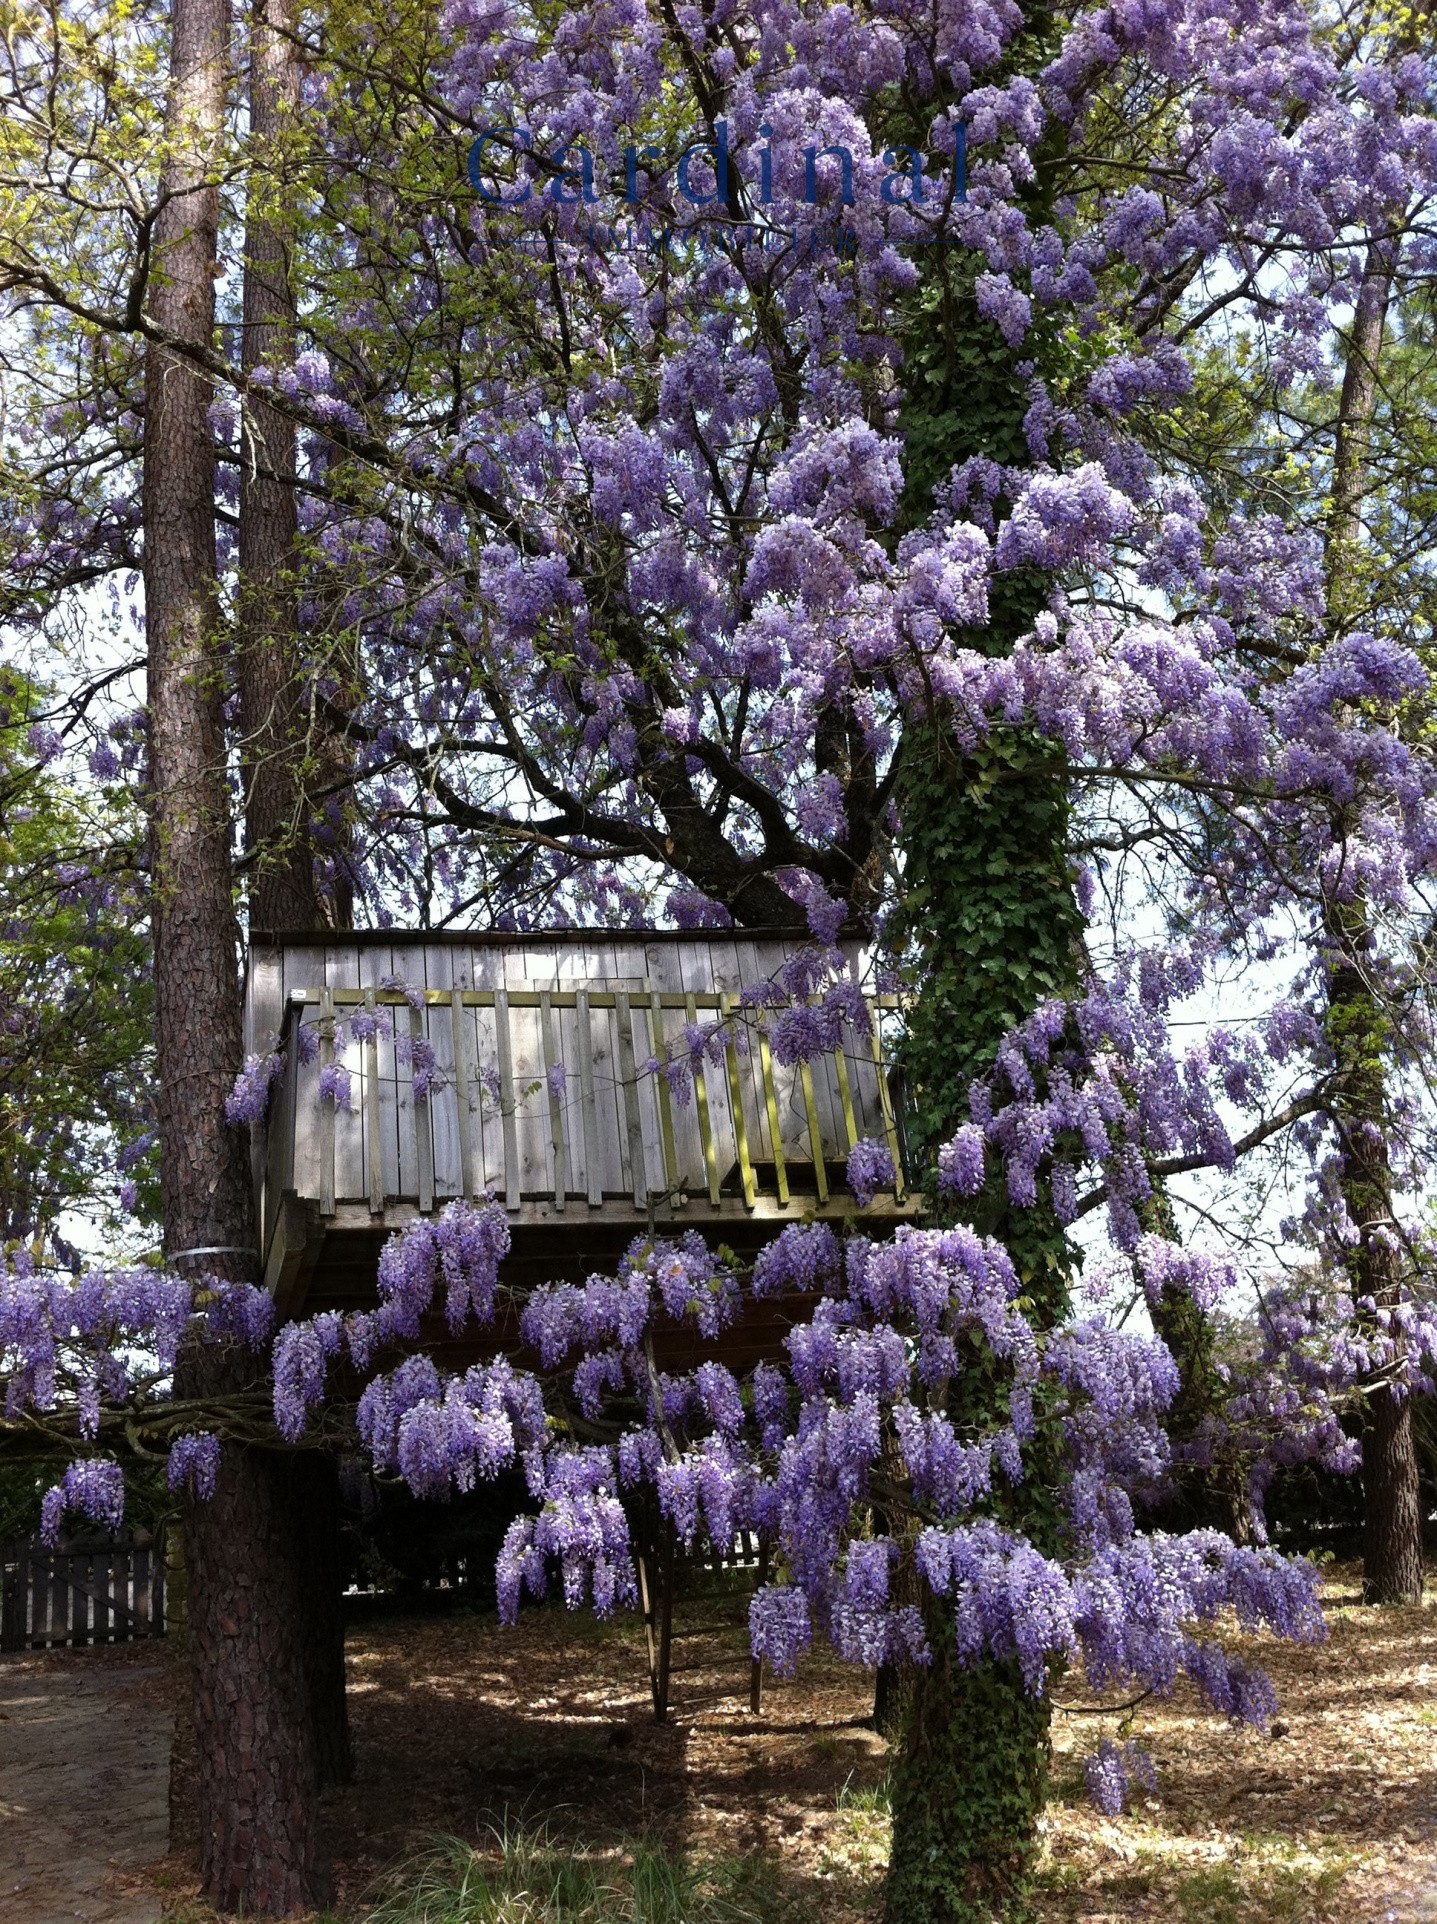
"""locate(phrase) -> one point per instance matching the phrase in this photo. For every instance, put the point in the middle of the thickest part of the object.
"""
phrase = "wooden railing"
(540, 1088)
(637, 1022)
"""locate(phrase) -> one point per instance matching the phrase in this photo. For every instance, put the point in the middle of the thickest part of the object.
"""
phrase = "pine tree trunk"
(256, 1773)
(282, 893)
(254, 1728)
(277, 832)
(1357, 1026)
(1392, 1547)
(1358, 1034)
(316, 1535)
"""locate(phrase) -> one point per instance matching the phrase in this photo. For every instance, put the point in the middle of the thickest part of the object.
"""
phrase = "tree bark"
(316, 1538)
(1392, 1541)
(277, 830)
(276, 748)
(1357, 1025)
(258, 1767)
(256, 1771)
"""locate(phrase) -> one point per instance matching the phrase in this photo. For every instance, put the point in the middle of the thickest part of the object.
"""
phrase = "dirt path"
(84, 1779)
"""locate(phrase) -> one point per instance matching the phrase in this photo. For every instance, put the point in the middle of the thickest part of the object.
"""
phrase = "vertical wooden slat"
(7, 1603)
(423, 1124)
(397, 1174)
(531, 971)
(890, 1127)
(76, 1602)
(770, 1095)
(815, 1134)
(291, 1121)
(556, 1108)
(658, 1048)
(110, 1569)
(326, 1109)
(629, 1096)
(845, 1095)
(140, 1592)
(506, 1098)
(461, 1028)
(592, 1151)
(60, 1599)
(735, 1090)
(701, 1103)
(665, 962)
(373, 1143)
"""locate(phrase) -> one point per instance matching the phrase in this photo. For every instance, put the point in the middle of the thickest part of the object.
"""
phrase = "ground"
(84, 1776)
(459, 1725)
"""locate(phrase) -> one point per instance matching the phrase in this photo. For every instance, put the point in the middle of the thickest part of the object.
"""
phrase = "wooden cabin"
(543, 1093)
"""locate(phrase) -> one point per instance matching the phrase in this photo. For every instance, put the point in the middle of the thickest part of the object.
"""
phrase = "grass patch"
(1253, 1893)
(524, 1875)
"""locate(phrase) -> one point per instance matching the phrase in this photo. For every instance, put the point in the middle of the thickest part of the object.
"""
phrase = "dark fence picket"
(97, 1593)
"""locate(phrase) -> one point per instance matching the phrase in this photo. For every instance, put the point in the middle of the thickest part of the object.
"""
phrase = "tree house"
(523, 1065)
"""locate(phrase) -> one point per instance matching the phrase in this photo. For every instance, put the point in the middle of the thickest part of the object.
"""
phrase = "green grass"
(871, 1800)
(525, 1875)
(1243, 1893)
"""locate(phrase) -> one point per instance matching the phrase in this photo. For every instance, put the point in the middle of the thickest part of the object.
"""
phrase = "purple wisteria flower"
(870, 1168)
(1113, 1772)
(94, 1488)
(193, 1464)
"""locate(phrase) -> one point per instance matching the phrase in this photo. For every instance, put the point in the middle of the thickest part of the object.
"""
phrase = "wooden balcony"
(543, 1094)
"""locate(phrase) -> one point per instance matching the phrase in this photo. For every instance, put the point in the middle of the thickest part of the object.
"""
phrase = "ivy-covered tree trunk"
(966, 1800)
(1358, 1033)
(256, 1770)
(990, 903)
(989, 906)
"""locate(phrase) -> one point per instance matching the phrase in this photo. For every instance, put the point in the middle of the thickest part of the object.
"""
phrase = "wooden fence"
(85, 1593)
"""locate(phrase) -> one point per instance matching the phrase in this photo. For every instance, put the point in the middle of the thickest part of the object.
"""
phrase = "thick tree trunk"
(1357, 1032)
(282, 893)
(967, 1802)
(316, 1536)
(1392, 1547)
(1357, 1027)
(256, 1773)
(277, 830)
(255, 1741)
(970, 1778)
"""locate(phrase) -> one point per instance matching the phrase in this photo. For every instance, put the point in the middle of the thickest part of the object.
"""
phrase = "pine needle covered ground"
(536, 1747)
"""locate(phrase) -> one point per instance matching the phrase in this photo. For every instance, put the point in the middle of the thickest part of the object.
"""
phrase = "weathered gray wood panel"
(601, 1129)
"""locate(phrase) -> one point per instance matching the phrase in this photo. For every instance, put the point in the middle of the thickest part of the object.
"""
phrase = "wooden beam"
(770, 1095)
(890, 1127)
(326, 1109)
(372, 1118)
(658, 1048)
(701, 1104)
(815, 1134)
